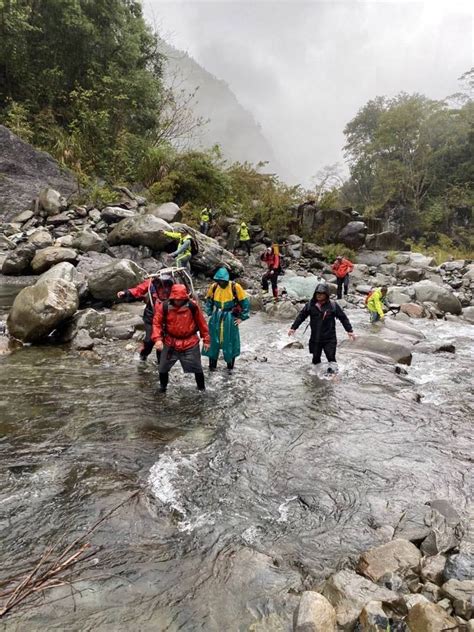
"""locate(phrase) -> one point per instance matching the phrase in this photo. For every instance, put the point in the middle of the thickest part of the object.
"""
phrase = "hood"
(222, 275)
(323, 289)
(179, 292)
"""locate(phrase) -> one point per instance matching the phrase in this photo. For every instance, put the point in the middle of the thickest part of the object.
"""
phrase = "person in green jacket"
(375, 302)
(244, 237)
(183, 252)
(227, 306)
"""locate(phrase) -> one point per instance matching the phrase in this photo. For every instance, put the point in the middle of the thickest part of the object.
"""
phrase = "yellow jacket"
(244, 234)
(375, 302)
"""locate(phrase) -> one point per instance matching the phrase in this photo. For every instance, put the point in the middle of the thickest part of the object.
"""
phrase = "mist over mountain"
(227, 122)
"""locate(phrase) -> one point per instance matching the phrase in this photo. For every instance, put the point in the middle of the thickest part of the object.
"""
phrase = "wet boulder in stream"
(105, 282)
(396, 351)
(444, 299)
(40, 308)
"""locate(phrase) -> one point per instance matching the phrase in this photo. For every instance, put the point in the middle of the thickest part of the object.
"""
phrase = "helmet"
(166, 279)
(322, 288)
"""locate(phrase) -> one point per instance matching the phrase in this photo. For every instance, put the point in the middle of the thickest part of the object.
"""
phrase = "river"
(260, 487)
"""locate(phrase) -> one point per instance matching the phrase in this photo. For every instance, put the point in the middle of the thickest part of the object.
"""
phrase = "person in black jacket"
(322, 319)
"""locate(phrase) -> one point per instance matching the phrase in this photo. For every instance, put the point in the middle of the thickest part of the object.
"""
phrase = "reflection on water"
(258, 487)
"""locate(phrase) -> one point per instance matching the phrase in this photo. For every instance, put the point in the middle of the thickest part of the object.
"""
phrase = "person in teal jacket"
(227, 306)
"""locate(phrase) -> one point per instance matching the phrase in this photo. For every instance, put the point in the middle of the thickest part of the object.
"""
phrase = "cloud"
(305, 68)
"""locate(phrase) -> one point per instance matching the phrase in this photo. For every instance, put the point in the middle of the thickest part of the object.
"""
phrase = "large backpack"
(166, 305)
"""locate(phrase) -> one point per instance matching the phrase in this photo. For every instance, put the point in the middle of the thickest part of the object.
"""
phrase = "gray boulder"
(41, 238)
(39, 309)
(468, 314)
(114, 214)
(88, 240)
(422, 261)
(170, 212)
(353, 234)
(385, 241)
(412, 274)
(89, 320)
(400, 294)
(104, 283)
(459, 566)
(64, 271)
(51, 202)
(443, 298)
(46, 258)
(283, 310)
(141, 230)
(400, 353)
(400, 329)
(18, 261)
(82, 340)
(312, 251)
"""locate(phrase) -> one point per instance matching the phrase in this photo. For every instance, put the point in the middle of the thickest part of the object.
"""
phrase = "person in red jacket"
(151, 290)
(341, 268)
(271, 257)
(176, 323)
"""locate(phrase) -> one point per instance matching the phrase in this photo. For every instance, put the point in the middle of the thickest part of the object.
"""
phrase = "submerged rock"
(400, 353)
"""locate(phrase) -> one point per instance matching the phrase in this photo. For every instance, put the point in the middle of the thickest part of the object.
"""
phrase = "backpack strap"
(234, 291)
(193, 308)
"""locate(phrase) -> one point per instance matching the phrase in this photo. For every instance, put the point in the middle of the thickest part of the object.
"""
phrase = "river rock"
(18, 261)
(105, 282)
(41, 238)
(82, 340)
(88, 240)
(400, 353)
(315, 614)
(65, 271)
(90, 262)
(349, 592)
(399, 295)
(46, 258)
(169, 211)
(283, 310)
(353, 235)
(89, 320)
(468, 314)
(40, 308)
(141, 230)
(461, 593)
(393, 557)
(432, 568)
(413, 310)
(300, 287)
(435, 525)
(373, 618)
(459, 566)
(401, 328)
(443, 298)
(412, 274)
(50, 201)
(122, 326)
(114, 214)
(429, 617)
(452, 266)
(421, 261)
(311, 251)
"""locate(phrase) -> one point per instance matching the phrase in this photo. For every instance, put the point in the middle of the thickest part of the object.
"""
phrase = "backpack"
(237, 308)
(166, 305)
(367, 297)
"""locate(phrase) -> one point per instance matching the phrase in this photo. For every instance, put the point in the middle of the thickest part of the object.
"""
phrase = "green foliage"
(102, 195)
(16, 118)
(331, 251)
(445, 249)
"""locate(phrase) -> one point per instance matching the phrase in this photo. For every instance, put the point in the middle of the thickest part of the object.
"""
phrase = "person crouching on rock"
(322, 314)
(176, 323)
(375, 301)
(271, 257)
(153, 290)
(227, 306)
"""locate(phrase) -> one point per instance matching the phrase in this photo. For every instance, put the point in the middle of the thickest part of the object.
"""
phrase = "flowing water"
(252, 491)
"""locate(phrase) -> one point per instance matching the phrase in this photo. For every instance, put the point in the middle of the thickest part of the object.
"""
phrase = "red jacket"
(342, 268)
(141, 291)
(272, 260)
(182, 325)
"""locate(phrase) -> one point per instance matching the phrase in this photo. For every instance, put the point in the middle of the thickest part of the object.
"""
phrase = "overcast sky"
(305, 68)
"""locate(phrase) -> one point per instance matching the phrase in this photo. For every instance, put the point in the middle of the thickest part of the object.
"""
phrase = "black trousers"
(148, 344)
(246, 245)
(273, 280)
(329, 348)
(342, 283)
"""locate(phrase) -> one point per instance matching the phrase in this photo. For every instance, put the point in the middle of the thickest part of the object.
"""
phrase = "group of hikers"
(173, 317)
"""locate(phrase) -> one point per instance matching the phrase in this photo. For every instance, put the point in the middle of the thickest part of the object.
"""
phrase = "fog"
(305, 68)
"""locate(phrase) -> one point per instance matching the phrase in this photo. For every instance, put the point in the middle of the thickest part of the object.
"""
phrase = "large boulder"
(300, 287)
(18, 261)
(37, 310)
(396, 556)
(211, 255)
(114, 214)
(104, 283)
(88, 240)
(46, 258)
(422, 261)
(353, 234)
(64, 271)
(283, 310)
(443, 298)
(385, 241)
(41, 238)
(51, 202)
(412, 274)
(169, 211)
(400, 329)
(141, 230)
(399, 294)
(398, 352)
(88, 320)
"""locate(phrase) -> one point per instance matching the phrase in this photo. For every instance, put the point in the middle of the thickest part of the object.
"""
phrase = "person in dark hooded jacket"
(322, 314)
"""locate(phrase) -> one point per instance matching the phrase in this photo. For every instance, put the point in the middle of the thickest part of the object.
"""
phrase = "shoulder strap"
(214, 288)
(234, 291)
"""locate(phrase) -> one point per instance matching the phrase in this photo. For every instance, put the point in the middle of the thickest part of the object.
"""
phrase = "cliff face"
(24, 171)
(229, 125)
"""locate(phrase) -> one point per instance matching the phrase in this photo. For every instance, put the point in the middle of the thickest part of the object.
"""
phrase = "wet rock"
(422, 261)
(459, 566)
(46, 258)
(373, 618)
(89, 262)
(395, 556)
(353, 234)
(39, 309)
(399, 353)
(122, 326)
(141, 230)
(18, 261)
(385, 241)
(169, 211)
(432, 568)
(412, 310)
(349, 592)
(114, 214)
(300, 287)
(404, 330)
(256, 302)
(89, 320)
(315, 614)
(429, 617)
(88, 240)
(468, 314)
(293, 344)
(311, 251)
(50, 201)
(412, 274)
(283, 310)
(104, 283)
(82, 340)
(65, 271)
(399, 295)
(440, 296)
(461, 593)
